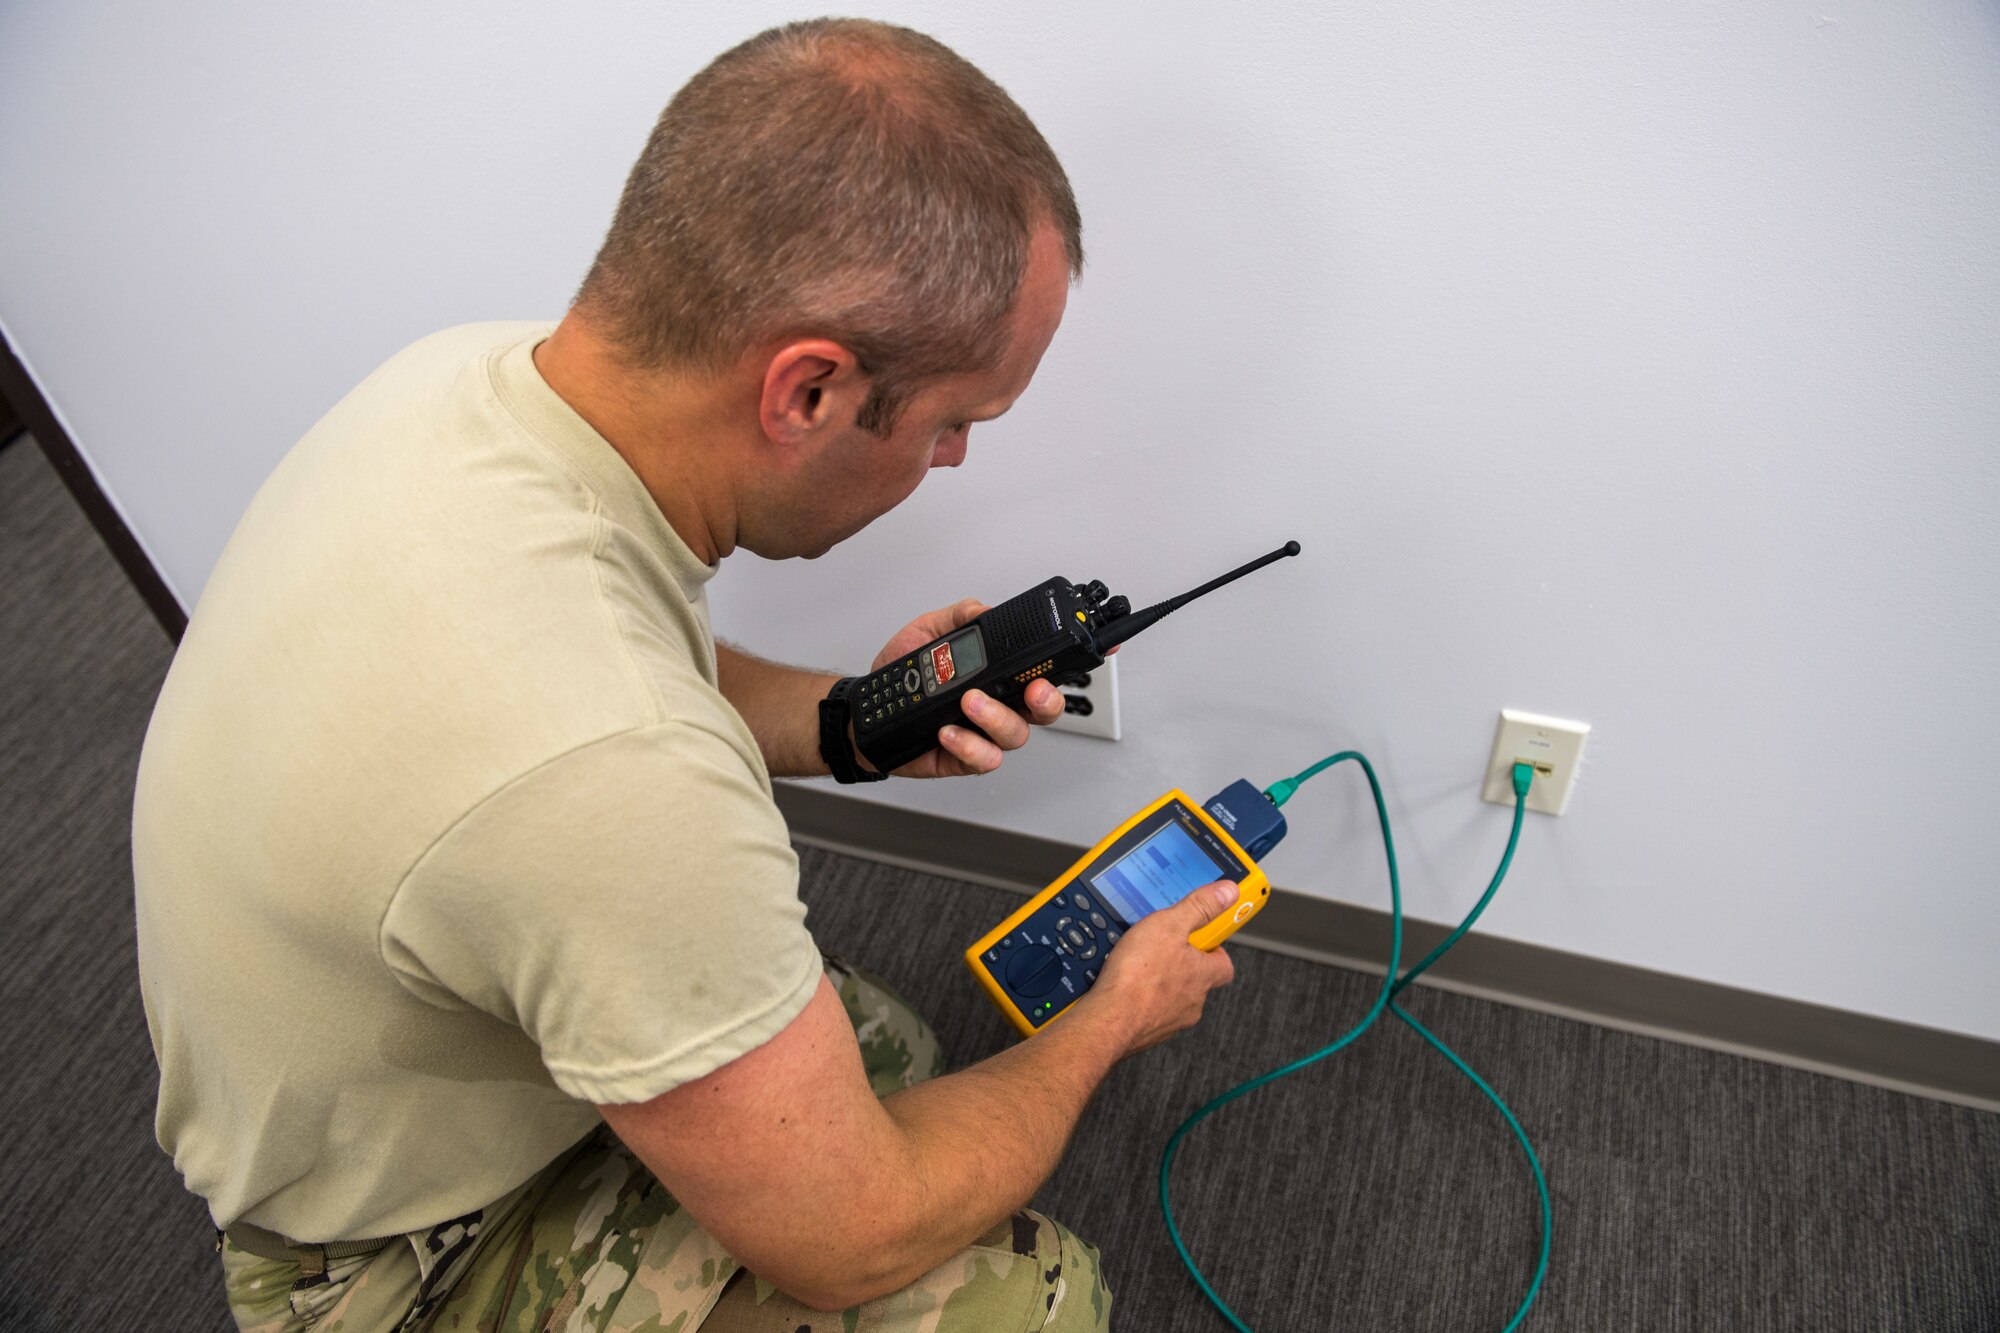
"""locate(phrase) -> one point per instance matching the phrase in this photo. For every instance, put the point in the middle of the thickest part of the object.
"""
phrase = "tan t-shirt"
(443, 831)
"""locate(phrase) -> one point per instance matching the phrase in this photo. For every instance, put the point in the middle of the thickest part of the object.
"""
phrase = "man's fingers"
(926, 627)
(1005, 727)
(1204, 905)
(1045, 703)
(970, 748)
(958, 613)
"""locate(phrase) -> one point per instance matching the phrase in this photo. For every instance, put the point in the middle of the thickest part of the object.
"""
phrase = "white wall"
(1630, 364)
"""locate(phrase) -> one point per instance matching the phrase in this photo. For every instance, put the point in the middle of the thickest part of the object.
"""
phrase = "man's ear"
(809, 386)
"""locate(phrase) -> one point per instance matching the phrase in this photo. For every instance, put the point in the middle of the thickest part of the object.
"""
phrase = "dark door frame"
(23, 398)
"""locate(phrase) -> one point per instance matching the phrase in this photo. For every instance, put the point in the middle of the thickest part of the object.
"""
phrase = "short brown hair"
(836, 178)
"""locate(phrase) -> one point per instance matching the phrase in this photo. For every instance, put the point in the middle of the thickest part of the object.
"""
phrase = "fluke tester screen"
(1158, 873)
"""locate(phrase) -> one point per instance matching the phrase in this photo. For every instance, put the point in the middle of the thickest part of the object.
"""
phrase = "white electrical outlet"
(1552, 745)
(1093, 707)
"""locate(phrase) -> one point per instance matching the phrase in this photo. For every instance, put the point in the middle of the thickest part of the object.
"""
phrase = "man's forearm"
(984, 1139)
(781, 704)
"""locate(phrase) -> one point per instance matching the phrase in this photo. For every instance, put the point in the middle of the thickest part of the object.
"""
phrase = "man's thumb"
(1211, 900)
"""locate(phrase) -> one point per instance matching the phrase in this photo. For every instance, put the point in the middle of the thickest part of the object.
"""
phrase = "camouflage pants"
(593, 1244)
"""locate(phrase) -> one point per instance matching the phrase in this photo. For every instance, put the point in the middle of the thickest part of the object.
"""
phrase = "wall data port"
(1553, 745)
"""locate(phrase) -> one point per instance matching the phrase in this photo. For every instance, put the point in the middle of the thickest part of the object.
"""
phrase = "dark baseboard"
(1901, 1056)
(24, 400)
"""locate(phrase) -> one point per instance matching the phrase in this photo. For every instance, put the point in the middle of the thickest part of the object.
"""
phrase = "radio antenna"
(1128, 625)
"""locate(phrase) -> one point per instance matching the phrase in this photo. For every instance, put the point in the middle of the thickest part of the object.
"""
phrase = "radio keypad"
(882, 697)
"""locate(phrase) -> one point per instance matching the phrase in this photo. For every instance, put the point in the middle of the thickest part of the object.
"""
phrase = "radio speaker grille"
(1020, 623)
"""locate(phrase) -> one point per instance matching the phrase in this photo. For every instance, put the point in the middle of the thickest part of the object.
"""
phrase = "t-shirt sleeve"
(632, 906)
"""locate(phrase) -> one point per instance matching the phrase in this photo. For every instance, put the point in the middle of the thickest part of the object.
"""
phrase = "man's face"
(862, 476)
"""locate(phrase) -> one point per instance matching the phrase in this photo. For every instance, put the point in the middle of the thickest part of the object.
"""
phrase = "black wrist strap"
(834, 713)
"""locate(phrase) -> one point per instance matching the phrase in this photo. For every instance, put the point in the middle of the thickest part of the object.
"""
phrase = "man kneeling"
(469, 932)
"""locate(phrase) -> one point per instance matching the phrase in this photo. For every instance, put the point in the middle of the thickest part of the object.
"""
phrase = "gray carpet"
(1374, 1191)
(1379, 1190)
(96, 1232)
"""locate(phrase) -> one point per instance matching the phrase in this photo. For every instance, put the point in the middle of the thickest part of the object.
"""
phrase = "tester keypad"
(1050, 959)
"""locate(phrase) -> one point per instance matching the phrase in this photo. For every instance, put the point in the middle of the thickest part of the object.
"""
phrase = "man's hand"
(965, 750)
(1155, 982)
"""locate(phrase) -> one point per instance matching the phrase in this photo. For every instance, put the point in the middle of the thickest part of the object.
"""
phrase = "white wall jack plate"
(1093, 708)
(1553, 746)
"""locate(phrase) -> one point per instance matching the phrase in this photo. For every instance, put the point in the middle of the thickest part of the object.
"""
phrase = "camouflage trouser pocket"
(898, 1049)
(601, 1246)
(269, 1295)
(272, 1288)
(1029, 1274)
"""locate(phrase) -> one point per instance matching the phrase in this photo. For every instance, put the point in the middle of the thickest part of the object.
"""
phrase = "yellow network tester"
(1042, 959)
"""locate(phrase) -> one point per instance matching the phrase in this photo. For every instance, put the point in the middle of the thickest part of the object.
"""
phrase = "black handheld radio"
(1059, 630)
